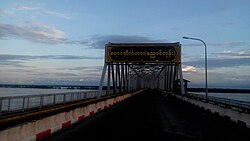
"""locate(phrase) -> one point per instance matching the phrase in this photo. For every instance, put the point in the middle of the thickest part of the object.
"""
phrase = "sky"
(62, 41)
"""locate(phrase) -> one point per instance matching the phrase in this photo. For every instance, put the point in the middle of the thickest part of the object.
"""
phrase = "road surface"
(152, 116)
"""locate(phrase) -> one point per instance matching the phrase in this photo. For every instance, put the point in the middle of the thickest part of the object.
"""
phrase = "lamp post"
(205, 59)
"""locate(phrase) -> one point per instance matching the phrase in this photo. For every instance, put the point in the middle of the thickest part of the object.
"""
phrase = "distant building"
(177, 84)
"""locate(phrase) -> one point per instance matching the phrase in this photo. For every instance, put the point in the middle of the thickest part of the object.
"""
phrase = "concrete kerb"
(39, 129)
(235, 116)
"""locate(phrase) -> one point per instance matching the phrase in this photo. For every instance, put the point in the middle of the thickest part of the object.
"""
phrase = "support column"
(123, 78)
(181, 79)
(126, 77)
(165, 78)
(108, 86)
(102, 80)
(119, 76)
(175, 76)
(113, 78)
(171, 78)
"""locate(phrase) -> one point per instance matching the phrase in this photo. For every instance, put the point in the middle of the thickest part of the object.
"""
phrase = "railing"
(241, 106)
(14, 104)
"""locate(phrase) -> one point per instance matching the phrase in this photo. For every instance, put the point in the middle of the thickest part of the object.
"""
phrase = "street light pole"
(205, 59)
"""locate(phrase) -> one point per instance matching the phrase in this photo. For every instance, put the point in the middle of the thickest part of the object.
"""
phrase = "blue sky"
(62, 41)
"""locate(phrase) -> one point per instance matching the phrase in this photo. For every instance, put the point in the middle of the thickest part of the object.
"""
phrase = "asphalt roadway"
(152, 116)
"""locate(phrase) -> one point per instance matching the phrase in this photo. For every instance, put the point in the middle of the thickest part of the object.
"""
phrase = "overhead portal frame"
(146, 65)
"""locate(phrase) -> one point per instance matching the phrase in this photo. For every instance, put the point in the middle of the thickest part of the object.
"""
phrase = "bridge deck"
(151, 116)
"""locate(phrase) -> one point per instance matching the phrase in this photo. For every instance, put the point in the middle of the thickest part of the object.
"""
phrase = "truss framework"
(125, 76)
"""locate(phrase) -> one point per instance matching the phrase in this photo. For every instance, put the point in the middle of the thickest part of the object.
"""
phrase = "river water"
(234, 96)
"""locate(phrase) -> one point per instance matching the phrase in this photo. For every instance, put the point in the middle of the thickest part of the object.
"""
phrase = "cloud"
(6, 57)
(19, 60)
(219, 44)
(189, 69)
(224, 59)
(2, 12)
(68, 57)
(36, 32)
(26, 8)
(218, 79)
(9, 13)
(13, 63)
(99, 41)
(44, 33)
(230, 80)
(73, 68)
(44, 11)
(219, 62)
(56, 74)
(244, 53)
(89, 68)
(56, 14)
(48, 75)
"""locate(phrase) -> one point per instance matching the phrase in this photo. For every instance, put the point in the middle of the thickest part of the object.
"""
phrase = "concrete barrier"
(235, 116)
(39, 129)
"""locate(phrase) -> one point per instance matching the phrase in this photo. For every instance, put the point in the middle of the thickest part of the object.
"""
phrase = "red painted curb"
(91, 113)
(82, 117)
(99, 109)
(66, 124)
(43, 134)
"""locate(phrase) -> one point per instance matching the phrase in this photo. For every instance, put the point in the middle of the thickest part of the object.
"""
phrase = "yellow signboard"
(143, 52)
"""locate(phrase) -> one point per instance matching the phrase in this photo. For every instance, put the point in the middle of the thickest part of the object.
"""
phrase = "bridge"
(145, 98)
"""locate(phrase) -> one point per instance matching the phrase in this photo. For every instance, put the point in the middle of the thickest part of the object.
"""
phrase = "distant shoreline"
(215, 90)
(48, 86)
(219, 90)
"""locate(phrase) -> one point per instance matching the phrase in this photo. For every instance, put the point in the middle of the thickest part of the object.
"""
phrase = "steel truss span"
(131, 66)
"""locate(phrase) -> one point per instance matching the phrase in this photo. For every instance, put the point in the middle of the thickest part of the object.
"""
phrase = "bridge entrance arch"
(131, 66)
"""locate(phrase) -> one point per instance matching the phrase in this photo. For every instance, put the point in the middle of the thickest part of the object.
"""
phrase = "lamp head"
(185, 37)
